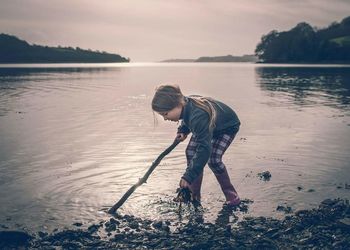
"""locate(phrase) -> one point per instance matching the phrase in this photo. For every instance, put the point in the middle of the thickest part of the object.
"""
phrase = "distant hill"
(179, 60)
(306, 44)
(228, 58)
(14, 50)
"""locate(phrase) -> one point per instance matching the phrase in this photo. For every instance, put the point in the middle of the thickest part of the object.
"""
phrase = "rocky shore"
(327, 227)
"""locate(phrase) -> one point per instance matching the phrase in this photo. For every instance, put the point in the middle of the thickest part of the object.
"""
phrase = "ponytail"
(206, 104)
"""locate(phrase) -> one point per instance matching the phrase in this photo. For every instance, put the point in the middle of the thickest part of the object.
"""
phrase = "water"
(75, 137)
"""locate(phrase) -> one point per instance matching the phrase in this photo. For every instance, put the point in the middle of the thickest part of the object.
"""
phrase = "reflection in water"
(17, 72)
(307, 86)
(13, 78)
(17, 82)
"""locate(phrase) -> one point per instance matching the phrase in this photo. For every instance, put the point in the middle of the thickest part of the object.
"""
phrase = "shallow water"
(75, 137)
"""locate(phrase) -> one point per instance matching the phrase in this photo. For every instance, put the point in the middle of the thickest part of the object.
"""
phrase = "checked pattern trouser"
(219, 145)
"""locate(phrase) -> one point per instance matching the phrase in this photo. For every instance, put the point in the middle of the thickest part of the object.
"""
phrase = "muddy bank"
(328, 226)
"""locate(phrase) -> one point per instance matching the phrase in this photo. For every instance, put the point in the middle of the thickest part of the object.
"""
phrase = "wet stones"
(134, 225)
(93, 228)
(265, 243)
(344, 223)
(341, 186)
(67, 239)
(328, 202)
(42, 234)
(109, 227)
(272, 233)
(114, 221)
(285, 209)
(326, 227)
(160, 225)
(14, 239)
(157, 224)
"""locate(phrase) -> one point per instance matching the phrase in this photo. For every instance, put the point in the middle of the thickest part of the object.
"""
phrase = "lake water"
(75, 137)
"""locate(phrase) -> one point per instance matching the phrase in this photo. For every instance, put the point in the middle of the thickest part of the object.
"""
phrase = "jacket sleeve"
(183, 128)
(203, 134)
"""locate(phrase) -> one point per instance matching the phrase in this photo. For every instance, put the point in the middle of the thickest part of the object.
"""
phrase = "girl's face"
(172, 115)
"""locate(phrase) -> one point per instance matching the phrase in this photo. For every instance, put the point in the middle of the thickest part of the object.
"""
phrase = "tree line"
(306, 44)
(14, 50)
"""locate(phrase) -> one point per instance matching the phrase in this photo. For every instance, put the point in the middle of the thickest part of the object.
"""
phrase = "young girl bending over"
(213, 126)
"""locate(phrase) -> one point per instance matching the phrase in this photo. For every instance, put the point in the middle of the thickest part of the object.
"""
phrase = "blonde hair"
(168, 97)
(206, 104)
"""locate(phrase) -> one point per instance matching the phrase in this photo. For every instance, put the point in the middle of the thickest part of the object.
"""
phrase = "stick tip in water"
(111, 211)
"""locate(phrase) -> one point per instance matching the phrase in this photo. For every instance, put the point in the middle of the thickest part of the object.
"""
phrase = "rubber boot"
(232, 198)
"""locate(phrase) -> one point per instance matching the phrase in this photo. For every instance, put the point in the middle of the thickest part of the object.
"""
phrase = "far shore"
(70, 66)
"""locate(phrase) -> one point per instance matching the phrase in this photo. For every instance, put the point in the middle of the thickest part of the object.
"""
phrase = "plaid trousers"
(219, 145)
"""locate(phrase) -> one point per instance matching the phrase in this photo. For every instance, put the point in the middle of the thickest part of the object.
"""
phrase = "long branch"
(144, 178)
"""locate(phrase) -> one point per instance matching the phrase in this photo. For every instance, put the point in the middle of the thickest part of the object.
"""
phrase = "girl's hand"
(181, 136)
(184, 184)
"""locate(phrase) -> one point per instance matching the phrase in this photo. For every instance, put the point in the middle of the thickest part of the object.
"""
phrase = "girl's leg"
(219, 146)
(197, 183)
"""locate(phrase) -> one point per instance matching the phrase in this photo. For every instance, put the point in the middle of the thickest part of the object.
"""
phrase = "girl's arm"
(200, 124)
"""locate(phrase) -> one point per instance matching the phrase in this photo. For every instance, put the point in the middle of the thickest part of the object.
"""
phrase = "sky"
(155, 30)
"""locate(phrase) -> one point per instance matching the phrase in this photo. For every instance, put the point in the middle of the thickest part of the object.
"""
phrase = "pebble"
(344, 223)
(285, 209)
(265, 176)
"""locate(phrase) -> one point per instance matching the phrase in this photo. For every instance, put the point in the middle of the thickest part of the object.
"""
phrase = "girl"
(213, 125)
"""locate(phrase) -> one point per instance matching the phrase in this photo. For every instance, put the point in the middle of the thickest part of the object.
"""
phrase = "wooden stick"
(142, 180)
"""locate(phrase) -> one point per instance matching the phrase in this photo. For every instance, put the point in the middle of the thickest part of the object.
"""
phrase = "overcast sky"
(153, 30)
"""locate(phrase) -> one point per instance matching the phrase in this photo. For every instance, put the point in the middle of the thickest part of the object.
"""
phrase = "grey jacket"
(196, 120)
